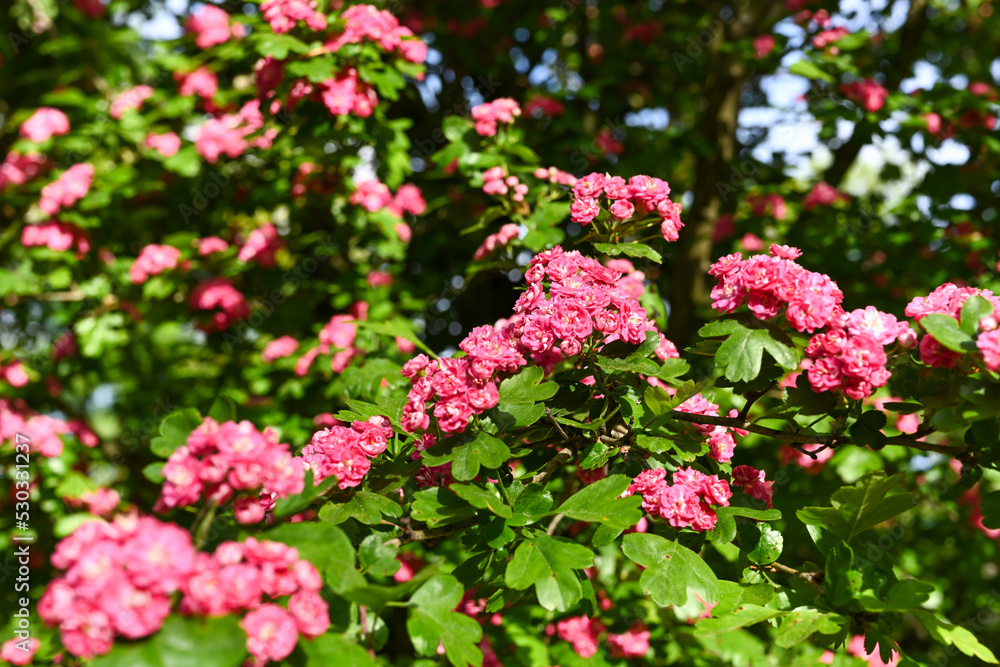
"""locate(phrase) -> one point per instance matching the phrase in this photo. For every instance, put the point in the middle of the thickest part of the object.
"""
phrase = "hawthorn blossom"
(46, 122)
(71, 186)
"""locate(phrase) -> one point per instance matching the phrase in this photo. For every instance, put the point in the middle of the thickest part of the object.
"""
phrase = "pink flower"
(57, 236)
(487, 115)
(130, 99)
(152, 261)
(762, 46)
(218, 292)
(279, 348)
(822, 194)
(633, 643)
(101, 502)
(346, 94)
(71, 186)
(622, 209)
(584, 210)
(408, 199)
(379, 279)
(582, 632)
(284, 14)
(211, 244)
(544, 106)
(18, 169)
(989, 345)
(226, 135)
(271, 632)
(44, 123)
(210, 24)
(14, 374)
(856, 647)
(166, 144)
(826, 37)
(19, 651)
(869, 94)
(201, 82)
(372, 194)
(311, 613)
(261, 245)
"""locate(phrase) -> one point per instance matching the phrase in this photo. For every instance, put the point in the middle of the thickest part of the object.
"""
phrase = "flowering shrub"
(495, 334)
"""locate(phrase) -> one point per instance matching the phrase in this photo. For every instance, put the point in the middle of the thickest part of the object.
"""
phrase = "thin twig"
(564, 455)
(410, 535)
(826, 440)
(809, 577)
(557, 425)
(554, 523)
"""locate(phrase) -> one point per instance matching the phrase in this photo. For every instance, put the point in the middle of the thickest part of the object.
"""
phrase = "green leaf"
(750, 513)
(182, 642)
(483, 498)
(154, 472)
(330, 649)
(316, 70)
(600, 503)
(272, 44)
(946, 331)
(797, 626)
(185, 162)
(527, 387)
(843, 582)
(364, 506)
(432, 622)
(174, 431)
(747, 614)
(547, 215)
(904, 596)
(513, 415)
(637, 361)
(673, 572)
(866, 430)
(860, 507)
(595, 455)
(761, 543)
(438, 505)
(298, 502)
(853, 41)
(640, 250)
(376, 557)
(325, 546)
(810, 71)
(974, 309)
(955, 635)
(223, 409)
(533, 503)
(468, 455)
(547, 563)
(991, 510)
(742, 352)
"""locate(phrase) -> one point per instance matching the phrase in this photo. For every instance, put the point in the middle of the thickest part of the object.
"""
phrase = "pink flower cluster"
(71, 186)
(18, 651)
(762, 46)
(830, 36)
(210, 245)
(218, 292)
(284, 14)
(507, 233)
(44, 123)
(219, 461)
(346, 93)
(582, 632)
(368, 22)
(130, 99)
(503, 110)
(99, 502)
(238, 576)
(210, 24)
(261, 245)
(768, 204)
(753, 483)
(346, 452)
(374, 195)
(544, 106)
(57, 236)
(14, 374)
(867, 93)
(720, 438)
(278, 348)
(166, 144)
(495, 183)
(152, 261)
(18, 169)
(850, 355)
(228, 134)
(43, 431)
(685, 503)
(202, 82)
(557, 176)
(641, 194)
(769, 282)
(948, 299)
(118, 580)
(339, 333)
(823, 194)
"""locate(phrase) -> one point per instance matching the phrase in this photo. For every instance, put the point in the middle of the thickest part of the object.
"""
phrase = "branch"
(410, 535)
(564, 455)
(810, 577)
(827, 440)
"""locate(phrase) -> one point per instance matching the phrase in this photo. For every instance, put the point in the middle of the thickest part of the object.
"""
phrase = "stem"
(202, 523)
(827, 440)
(410, 535)
(810, 577)
(564, 455)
